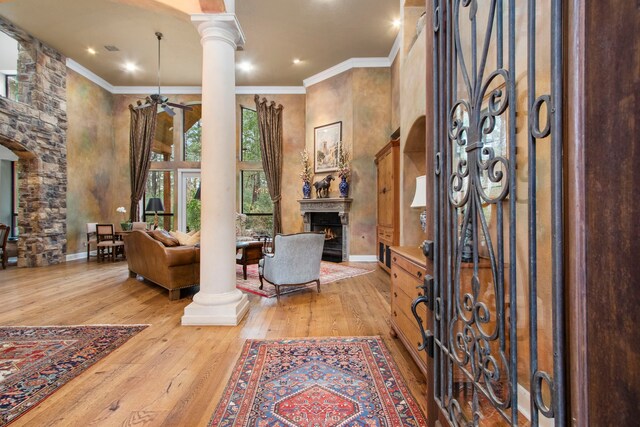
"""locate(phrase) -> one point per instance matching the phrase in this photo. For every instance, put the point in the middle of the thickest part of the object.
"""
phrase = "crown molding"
(395, 48)
(346, 66)
(270, 90)
(150, 90)
(88, 74)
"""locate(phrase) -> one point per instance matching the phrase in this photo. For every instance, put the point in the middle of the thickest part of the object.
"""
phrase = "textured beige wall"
(293, 129)
(412, 142)
(94, 191)
(361, 99)
(395, 93)
(371, 120)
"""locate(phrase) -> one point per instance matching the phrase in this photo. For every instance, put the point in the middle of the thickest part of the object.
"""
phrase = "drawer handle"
(395, 276)
(395, 259)
(395, 294)
(395, 314)
(419, 274)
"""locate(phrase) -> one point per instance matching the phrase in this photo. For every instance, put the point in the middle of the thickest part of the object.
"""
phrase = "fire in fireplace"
(329, 223)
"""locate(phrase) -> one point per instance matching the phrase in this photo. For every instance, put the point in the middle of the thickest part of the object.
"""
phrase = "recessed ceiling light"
(397, 22)
(130, 66)
(296, 60)
(245, 66)
(91, 50)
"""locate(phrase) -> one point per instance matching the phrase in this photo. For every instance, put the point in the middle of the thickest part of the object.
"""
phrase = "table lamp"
(154, 205)
(420, 200)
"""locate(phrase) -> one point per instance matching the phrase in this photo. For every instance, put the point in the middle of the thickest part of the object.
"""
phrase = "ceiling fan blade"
(182, 106)
(168, 110)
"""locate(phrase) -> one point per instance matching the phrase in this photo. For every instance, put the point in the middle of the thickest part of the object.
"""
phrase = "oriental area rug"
(329, 272)
(36, 361)
(316, 382)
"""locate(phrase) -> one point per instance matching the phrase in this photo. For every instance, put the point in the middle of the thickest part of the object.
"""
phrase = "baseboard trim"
(362, 258)
(76, 256)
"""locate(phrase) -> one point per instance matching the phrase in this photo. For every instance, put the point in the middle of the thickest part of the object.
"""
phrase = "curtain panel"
(141, 136)
(270, 127)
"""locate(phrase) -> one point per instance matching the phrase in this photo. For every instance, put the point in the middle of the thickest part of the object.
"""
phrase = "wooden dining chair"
(4, 235)
(108, 243)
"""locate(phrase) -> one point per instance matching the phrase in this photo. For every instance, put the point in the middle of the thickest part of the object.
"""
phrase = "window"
(192, 138)
(11, 89)
(160, 186)
(250, 139)
(162, 148)
(256, 201)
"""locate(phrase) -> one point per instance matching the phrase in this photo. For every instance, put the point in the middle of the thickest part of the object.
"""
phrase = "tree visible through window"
(250, 149)
(256, 202)
(193, 143)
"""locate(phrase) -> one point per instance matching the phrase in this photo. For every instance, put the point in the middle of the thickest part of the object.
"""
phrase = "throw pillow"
(165, 238)
(186, 239)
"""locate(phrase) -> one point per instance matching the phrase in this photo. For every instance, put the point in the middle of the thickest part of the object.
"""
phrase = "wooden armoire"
(388, 191)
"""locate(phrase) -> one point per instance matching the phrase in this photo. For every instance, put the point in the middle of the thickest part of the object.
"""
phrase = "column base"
(220, 313)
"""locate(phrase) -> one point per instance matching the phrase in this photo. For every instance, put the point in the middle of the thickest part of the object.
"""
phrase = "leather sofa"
(173, 268)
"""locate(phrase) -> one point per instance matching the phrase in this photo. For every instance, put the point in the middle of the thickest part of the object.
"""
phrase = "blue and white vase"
(306, 190)
(344, 187)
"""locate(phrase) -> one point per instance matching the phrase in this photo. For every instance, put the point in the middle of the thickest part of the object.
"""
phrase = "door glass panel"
(160, 188)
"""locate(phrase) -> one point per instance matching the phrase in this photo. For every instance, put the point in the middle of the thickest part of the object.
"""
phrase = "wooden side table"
(251, 253)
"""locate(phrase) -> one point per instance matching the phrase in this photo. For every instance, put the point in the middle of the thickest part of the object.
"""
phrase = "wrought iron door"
(496, 290)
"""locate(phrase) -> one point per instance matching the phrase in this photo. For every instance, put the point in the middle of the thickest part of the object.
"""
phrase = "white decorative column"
(218, 302)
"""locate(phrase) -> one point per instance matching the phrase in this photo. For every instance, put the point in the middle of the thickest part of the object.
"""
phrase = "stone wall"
(35, 129)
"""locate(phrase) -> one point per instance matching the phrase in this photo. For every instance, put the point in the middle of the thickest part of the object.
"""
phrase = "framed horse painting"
(327, 140)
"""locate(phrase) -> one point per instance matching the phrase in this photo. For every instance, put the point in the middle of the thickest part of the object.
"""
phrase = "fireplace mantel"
(339, 205)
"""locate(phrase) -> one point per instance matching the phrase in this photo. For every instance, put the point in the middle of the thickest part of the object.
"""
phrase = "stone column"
(218, 302)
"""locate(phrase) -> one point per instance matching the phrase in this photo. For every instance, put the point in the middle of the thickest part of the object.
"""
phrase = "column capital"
(219, 26)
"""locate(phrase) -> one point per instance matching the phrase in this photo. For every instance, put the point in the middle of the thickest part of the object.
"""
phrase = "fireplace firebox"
(330, 216)
(329, 223)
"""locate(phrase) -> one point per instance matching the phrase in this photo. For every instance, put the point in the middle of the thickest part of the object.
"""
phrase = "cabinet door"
(385, 190)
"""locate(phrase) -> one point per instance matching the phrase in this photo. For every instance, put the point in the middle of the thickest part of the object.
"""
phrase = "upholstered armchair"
(295, 261)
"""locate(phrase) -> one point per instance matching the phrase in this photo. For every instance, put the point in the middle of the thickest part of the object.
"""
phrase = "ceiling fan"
(162, 101)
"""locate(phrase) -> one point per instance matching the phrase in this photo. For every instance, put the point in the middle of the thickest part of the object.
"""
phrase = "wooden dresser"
(388, 192)
(407, 274)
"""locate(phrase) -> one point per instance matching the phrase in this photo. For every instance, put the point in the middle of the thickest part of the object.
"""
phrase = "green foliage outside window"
(250, 139)
(255, 193)
(193, 143)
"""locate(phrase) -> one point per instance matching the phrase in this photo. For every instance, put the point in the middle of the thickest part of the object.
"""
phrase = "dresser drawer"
(408, 327)
(409, 266)
(403, 282)
(385, 234)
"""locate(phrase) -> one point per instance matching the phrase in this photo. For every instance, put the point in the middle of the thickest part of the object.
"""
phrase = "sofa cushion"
(165, 238)
(186, 239)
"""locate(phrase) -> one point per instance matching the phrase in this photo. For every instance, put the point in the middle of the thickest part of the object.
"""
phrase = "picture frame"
(326, 145)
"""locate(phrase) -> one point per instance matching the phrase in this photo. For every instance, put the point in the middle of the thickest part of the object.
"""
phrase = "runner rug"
(36, 361)
(329, 272)
(323, 382)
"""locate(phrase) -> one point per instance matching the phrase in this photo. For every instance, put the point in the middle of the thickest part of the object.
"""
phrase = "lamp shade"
(154, 205)
(197, 196)
(420, 198)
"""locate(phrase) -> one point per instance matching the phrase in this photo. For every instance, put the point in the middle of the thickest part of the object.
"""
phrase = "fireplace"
(330, 216)
(329, 223)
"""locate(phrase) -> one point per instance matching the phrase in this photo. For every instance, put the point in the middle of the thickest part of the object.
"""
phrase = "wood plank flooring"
(173, 375)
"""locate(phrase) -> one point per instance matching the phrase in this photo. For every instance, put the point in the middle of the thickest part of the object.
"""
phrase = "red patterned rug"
(36, 361)
(329, 272)
(316, 382)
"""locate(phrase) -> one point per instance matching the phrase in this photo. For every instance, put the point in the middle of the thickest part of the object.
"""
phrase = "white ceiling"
(322, 33)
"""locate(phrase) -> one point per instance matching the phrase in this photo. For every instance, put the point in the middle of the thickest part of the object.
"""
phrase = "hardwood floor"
(173, 375)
